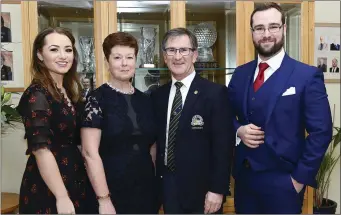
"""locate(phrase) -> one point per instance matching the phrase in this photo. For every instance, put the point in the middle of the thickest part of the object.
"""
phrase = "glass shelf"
(197, 69)
(148, 79)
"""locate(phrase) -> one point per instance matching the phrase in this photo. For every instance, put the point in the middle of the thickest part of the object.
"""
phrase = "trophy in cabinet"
(206, 35)
(148, 36)
(87, 53)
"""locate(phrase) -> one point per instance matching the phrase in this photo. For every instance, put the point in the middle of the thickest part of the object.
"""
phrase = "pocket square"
(289, 91)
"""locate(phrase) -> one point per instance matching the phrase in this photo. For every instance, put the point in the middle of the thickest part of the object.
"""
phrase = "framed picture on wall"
(327, 50)
(12, 71)
(12, 64)
(6, 33)
(6, 64)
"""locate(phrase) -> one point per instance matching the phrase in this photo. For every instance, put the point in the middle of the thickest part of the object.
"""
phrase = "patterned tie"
(260, 78)
(173, 126)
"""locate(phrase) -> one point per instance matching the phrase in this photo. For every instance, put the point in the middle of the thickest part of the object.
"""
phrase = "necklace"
(131, 91)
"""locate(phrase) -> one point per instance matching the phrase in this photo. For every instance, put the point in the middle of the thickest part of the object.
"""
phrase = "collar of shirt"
(186, 81)
(274, 63)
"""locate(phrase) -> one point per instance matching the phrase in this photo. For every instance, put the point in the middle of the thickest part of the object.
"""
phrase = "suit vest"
(261, 158)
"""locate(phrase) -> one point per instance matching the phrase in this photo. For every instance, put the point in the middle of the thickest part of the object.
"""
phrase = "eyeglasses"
(182, 51)
(271, 29)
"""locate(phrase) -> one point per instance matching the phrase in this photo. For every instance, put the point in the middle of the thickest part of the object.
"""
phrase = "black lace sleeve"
(92, 115)
(36, 114)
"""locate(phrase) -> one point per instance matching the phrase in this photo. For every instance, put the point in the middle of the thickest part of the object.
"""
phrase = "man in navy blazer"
(276, 99)
(195, 132)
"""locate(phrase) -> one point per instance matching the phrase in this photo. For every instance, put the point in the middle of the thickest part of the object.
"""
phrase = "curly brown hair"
(42, 76)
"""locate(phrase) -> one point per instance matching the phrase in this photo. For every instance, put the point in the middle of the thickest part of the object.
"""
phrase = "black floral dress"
(50, 124)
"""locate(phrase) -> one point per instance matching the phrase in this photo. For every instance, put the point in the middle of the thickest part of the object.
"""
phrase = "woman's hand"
(65, 205)
(106, 206)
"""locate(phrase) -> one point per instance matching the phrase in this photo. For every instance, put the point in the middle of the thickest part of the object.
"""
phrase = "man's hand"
(298, 186)
(213, 202)
(251, 135)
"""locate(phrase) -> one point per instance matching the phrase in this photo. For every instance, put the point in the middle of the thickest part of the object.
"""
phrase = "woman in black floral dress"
(53, 181)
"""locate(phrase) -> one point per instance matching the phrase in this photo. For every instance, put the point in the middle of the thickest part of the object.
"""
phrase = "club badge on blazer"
(197, 122)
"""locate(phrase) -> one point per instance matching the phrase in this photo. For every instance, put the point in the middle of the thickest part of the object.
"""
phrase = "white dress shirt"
(184, 91)
(274, 63)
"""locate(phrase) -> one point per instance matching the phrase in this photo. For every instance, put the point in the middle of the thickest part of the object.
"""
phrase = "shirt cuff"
(238, 140)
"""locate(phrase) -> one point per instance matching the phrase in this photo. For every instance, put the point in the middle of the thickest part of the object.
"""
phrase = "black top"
(127, 133)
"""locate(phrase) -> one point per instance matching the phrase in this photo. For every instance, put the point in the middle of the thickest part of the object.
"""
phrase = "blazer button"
(161, 176)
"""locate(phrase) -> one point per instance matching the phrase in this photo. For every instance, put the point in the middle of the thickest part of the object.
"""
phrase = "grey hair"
(176, 32)
(335, 60)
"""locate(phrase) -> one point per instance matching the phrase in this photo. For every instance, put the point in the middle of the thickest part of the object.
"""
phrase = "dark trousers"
(171, 202)
(267, 192)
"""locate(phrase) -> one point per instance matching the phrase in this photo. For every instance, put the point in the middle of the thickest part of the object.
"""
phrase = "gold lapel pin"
(196, 92)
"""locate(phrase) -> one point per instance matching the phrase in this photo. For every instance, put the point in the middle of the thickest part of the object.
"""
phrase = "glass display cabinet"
(214, 24)
(147, 21)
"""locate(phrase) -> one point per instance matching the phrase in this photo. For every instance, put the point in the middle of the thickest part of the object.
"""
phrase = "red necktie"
(260, 78)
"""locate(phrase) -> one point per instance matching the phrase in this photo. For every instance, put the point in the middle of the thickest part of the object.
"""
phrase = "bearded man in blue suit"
(276, 99)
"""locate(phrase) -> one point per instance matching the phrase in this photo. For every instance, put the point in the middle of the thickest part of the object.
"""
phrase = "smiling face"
(57, 54)
(268, 43)
(180, 66)
(122, 62)
(86, 83)
(334, 63)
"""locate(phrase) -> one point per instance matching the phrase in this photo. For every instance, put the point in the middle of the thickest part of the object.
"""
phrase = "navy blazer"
(288, 117)
(203, 153)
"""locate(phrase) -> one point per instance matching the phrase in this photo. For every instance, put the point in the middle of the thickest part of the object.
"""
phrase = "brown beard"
(268, 53)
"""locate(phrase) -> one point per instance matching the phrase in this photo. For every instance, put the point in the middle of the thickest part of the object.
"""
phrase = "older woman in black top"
(118, 135)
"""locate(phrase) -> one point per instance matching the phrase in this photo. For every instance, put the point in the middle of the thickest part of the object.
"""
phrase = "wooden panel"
(112, 28)
(307, 56)
(9, 202)
(112, 16)
(14, 90)
(240, 33)
(305, 32)
(11, 2)
(311, 29)
(178, 14)
(102, 21)
(245, 47)
(249, 47)
(29, 32)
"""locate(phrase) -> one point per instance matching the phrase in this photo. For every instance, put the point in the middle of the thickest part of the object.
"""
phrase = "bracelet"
(103, 197)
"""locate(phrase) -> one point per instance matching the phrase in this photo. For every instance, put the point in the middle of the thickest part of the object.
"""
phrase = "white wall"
(13, 158)
(329, 12)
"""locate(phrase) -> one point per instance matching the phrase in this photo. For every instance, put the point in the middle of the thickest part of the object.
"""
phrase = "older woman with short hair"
(118, 135)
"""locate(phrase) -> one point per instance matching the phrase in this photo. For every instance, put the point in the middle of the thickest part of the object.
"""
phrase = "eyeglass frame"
(176, 50)
(268, 29)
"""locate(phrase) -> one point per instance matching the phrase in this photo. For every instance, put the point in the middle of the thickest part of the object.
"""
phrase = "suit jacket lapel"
(284, 73)
(192, 95)
(250, 71)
